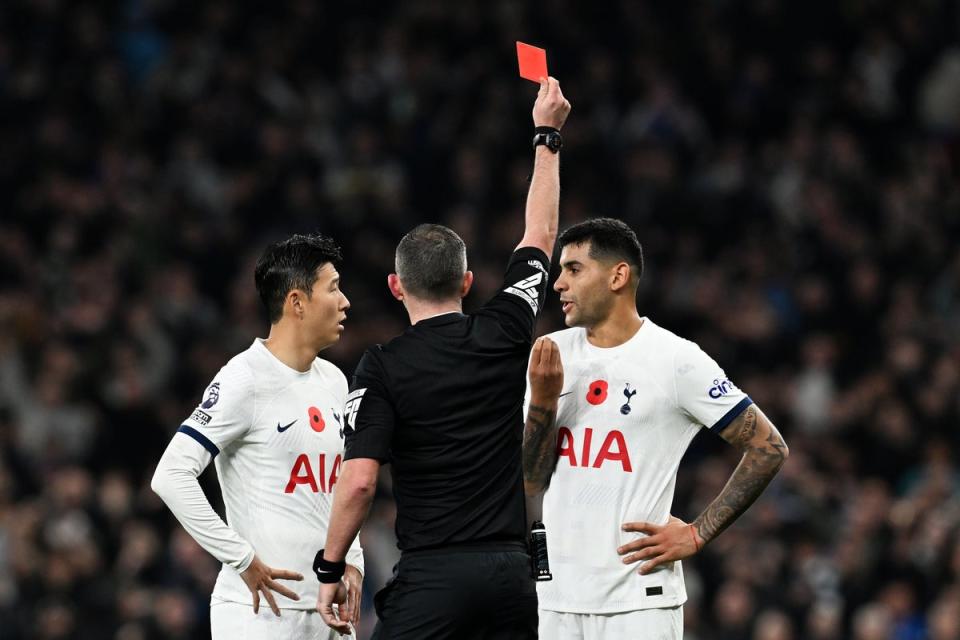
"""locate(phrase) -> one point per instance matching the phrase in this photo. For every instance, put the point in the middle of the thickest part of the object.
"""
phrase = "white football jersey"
(625, 419)
(276, 437)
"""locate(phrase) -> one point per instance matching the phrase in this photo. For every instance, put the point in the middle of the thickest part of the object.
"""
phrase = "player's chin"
(333, 336)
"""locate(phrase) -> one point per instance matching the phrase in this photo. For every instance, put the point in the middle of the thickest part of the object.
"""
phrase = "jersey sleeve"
(522, 294)
(175, 481)
(369, 414)
(703, 390)
(226, 411)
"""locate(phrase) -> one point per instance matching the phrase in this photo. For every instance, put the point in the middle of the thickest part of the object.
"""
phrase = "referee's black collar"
(442, 319)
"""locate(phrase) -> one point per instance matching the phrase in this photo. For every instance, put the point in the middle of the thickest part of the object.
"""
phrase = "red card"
(533, 62)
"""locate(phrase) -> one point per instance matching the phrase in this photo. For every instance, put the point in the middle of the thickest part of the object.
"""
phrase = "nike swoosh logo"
(565, 394)
(282, 429)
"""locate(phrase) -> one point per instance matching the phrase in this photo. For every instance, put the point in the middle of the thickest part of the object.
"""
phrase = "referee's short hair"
(431, 261)
(292, 264)
(610, 240)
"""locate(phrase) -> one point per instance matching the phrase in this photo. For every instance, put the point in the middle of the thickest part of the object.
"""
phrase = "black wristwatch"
(548, 137)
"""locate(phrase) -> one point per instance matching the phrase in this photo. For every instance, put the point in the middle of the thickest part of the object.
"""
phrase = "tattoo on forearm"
(539, 447)
(761, 461)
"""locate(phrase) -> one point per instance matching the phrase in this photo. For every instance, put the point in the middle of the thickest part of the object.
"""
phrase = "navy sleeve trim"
(731, 415)
(199, 437)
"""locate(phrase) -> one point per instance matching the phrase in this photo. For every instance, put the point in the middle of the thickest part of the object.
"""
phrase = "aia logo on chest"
(316, 480)
(613, 450)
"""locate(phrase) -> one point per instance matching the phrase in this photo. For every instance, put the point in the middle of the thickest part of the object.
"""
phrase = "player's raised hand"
(551, 108)
(260, 579)
(336, 593)
(546, 370)
(673, 541)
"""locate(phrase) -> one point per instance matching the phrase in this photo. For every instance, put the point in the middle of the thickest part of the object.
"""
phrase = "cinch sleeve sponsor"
(704, 392)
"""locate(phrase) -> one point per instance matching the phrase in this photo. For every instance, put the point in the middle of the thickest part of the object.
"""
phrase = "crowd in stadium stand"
(792, 170)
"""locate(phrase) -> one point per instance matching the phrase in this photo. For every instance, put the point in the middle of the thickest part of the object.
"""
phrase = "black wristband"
(546, 130)
(328, 572)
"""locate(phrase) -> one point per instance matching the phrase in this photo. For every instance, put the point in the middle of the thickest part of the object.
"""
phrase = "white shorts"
(645, 624)
(233, 621)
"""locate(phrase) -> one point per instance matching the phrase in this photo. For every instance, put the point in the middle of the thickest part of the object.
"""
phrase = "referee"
(443, 404)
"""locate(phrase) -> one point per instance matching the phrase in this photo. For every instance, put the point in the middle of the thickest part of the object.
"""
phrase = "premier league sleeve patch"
(212, 396)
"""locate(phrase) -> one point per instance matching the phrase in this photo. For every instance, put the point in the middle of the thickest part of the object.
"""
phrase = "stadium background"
(791, 169)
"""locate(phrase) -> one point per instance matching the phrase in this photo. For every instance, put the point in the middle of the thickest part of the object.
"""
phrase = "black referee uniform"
(443, 404)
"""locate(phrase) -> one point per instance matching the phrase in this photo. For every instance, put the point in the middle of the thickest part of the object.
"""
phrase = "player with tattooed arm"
(614, 402)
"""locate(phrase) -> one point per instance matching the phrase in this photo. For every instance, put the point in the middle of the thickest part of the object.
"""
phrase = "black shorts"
(477, 594)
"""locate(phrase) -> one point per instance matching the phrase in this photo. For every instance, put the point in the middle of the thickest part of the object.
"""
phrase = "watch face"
(551, 141)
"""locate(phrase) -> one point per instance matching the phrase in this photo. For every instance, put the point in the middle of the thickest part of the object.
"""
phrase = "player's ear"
(295, 302)
(395, 286)
(467, 283)
(619, 276)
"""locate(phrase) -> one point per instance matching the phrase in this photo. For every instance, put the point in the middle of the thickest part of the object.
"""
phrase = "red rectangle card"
(532, 61)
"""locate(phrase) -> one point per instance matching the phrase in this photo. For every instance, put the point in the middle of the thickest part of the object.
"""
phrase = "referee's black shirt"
(443, 404)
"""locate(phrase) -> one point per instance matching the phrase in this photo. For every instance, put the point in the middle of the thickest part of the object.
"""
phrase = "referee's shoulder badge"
(351, 407)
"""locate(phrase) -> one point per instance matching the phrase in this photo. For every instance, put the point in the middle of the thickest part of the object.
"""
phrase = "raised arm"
(540, 432)
(543, 199)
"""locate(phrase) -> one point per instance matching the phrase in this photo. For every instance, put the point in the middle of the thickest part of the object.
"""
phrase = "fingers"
(345, 597)
(536, 356)
(353, 603)
(647, 567)
(270, 600)
(642, 527)
(285, 574)
(256, 602)
(637, 545)
(649, 552)
(282, 590)
(553, 356)
(553, 87)
(330, 618)
(334, 622)
(544, 348)
(550, 91)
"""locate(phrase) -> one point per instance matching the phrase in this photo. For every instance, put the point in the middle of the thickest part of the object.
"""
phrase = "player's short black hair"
(431, 261)
(292, 264)
(610, 239)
